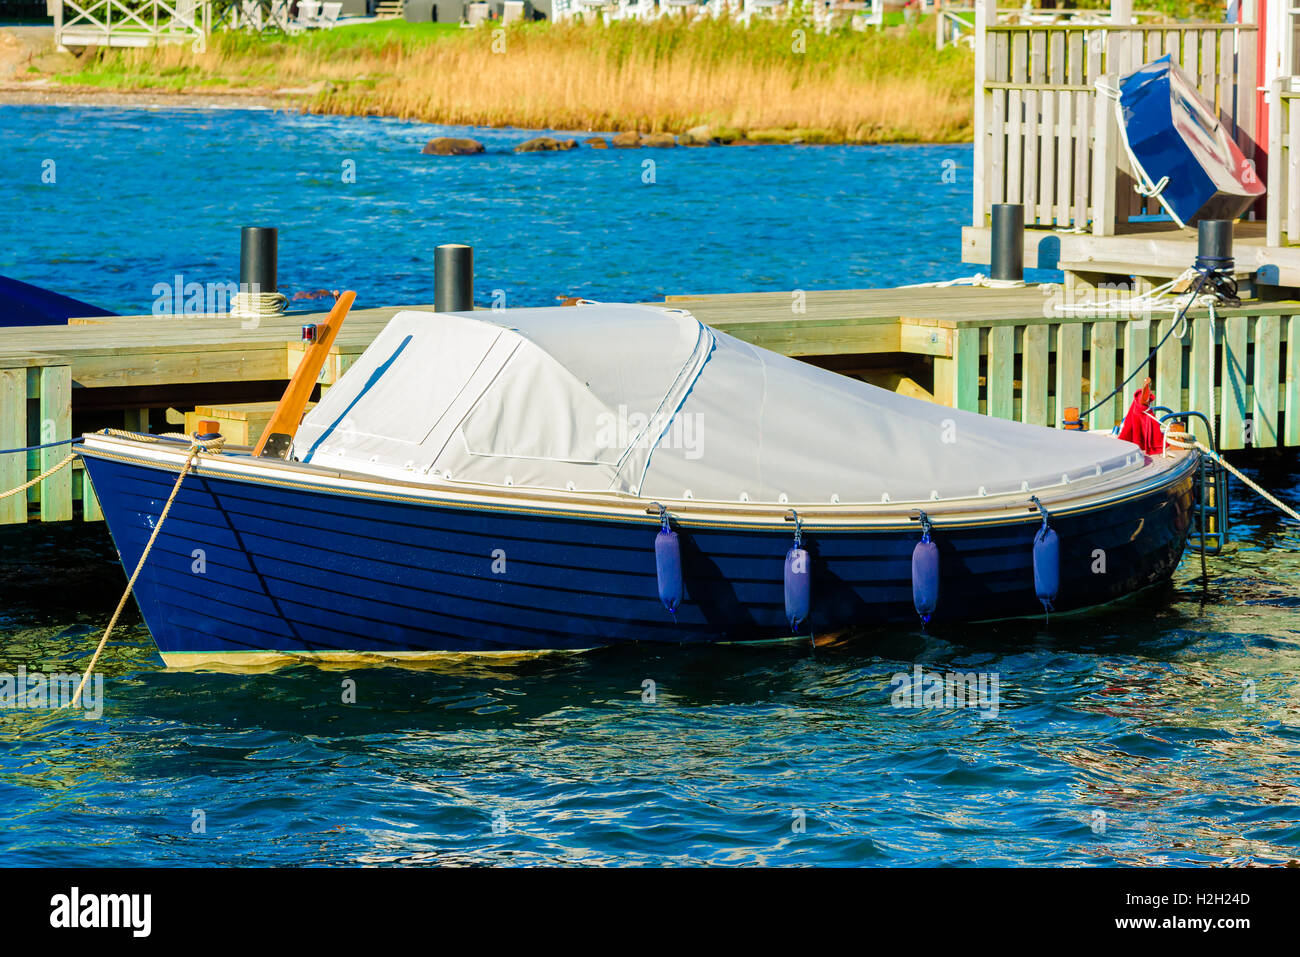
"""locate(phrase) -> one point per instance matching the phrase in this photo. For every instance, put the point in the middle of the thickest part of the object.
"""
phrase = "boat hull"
(248, 569)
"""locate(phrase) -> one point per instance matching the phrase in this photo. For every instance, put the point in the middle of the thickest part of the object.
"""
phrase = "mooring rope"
(979, 279)
(40, 478)
(1205, 274)
(197, 445)
(258, 305)
(1246, 480)
(43, 445)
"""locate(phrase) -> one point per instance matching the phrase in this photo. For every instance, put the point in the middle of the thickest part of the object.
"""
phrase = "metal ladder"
(1210, 504)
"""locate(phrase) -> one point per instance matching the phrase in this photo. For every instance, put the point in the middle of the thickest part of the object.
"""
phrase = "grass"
(780, 80)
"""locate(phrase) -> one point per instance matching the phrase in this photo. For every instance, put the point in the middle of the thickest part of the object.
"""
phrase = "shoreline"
(744, 85)
(44, 92)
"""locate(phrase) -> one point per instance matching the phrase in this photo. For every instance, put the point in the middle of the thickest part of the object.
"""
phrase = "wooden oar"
(278, 436)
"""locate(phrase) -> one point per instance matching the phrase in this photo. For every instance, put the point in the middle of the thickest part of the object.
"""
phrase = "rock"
(659, 140)
(696, 136)
(452, 146)
(626, 141)
(545, 144)
(597, 143)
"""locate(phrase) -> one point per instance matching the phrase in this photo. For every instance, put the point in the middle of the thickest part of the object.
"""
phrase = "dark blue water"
(1174, 714)
(141, 195)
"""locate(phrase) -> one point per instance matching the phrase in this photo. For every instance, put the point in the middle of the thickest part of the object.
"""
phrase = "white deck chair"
(636, 10)
(475, 14)
(512, 11)
(668, 7)
(308, 12)
(593, 8)
(329, 15)
(759, 8)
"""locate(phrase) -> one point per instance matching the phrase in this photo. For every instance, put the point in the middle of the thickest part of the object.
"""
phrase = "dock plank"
(1200, 378)
(1001, 374)
(1233, 394)
(1292, 381)
(1101, 374)
(1033, 389)
(13, 435)
(1268, 337)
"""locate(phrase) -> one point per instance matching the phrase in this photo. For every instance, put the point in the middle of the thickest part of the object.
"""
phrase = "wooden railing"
(1044, 135)
(1030, 371)
(131, 23)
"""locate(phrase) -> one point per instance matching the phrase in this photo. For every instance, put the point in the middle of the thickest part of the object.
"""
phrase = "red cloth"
(1140, 427)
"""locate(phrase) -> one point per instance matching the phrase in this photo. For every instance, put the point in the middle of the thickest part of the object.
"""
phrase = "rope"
(196, 446)
(1150, 355)
(1259, 489)
(257, 305)
(1157, 299)
(40, 478)
(1144, 186)
(979, 279)
(45, 445)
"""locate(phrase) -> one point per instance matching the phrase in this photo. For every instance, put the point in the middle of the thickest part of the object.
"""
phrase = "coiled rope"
(197, 445)
(258, 305)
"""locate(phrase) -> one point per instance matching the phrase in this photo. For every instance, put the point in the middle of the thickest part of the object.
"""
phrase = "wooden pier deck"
(1004, 352)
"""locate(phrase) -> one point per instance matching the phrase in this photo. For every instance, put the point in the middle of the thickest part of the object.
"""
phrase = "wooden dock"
(1004, 352)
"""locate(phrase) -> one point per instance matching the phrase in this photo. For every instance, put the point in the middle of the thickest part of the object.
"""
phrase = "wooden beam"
(55, 404)
(13, 435)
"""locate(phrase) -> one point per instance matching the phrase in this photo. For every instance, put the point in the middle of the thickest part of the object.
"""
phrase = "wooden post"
(55, 402)
(55, 8)
(1169, 368)
(1292, 383)
(957, 378)
(1121, 11)
(985, 14)
(1033, 375)
(1001, 374)
(13, 435)
(1247, 96)
(1101, 374)
(1276, 197)
(1263, 432)
(1200, 375)
(1232, 394)
(1105, 160)
(1069, 369)
(90, 510)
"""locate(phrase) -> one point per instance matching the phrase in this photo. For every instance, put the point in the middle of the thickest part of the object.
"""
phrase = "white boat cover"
(648, 401)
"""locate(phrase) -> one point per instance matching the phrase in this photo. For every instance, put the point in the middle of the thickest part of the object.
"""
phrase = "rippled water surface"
(1175, 714)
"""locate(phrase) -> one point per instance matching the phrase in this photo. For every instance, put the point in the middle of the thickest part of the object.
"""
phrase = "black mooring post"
(258, 259)
(1214, 244)
(1008, 257)
(453, 278)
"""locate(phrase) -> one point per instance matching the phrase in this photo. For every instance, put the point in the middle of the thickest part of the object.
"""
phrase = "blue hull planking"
(289, 570)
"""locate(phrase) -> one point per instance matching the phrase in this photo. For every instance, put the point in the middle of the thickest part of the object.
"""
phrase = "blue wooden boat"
(1186, 156)
(497, 482)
